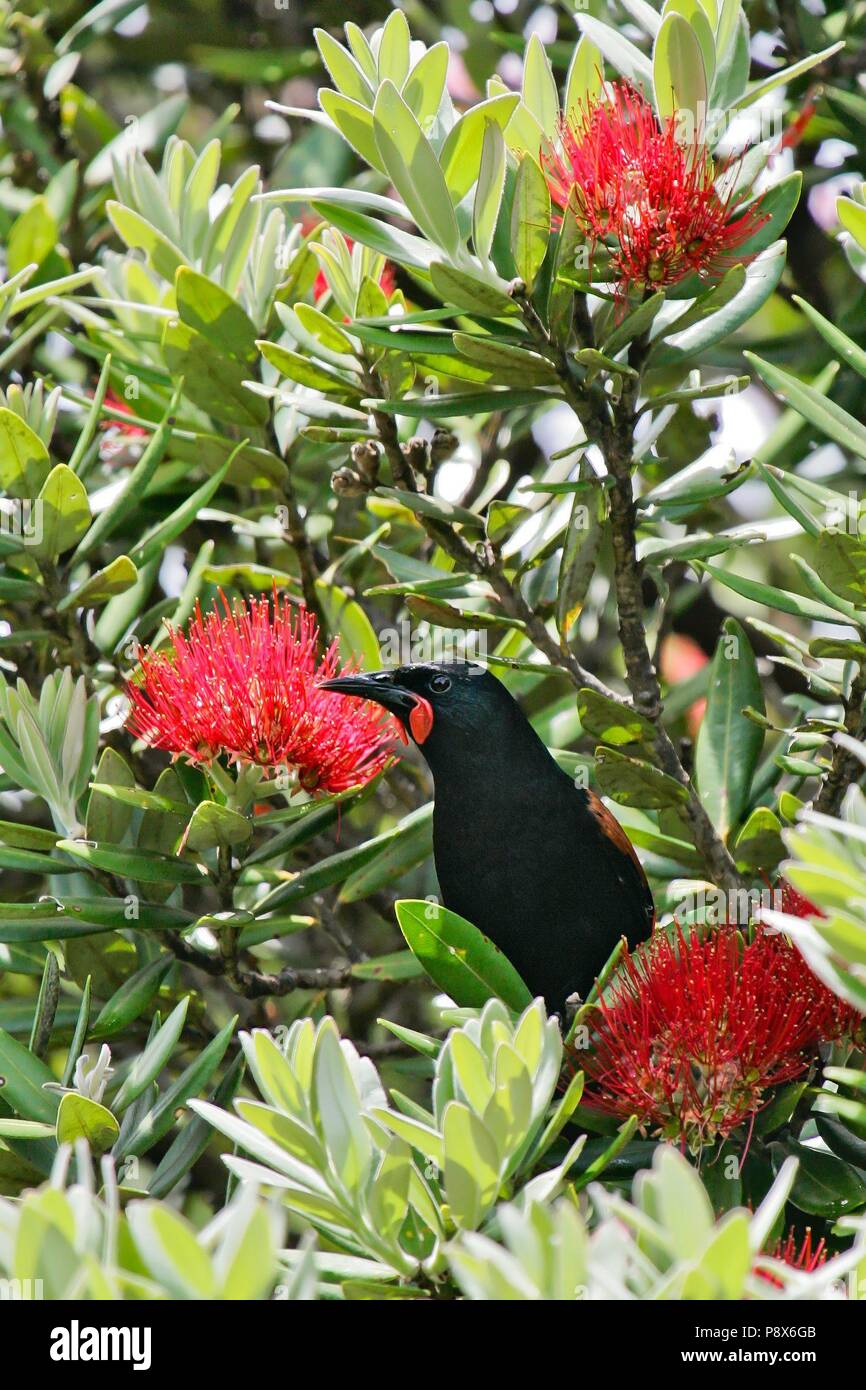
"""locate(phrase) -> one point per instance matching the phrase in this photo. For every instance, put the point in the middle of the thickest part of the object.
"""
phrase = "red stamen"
(245, 683)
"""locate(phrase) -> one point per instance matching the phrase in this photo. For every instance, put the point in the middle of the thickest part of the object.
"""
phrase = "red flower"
(841, 1019)
(118, 434)
(794, 903)
(696, 1030)
(244, 683)
(649, 197)
(115, 403)
(806, 1257)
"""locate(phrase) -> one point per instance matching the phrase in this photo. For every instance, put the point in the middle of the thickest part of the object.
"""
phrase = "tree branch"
(482, 562)
(613, 431)
(845, 766)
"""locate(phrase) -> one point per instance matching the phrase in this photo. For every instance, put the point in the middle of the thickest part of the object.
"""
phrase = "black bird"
(536, 863)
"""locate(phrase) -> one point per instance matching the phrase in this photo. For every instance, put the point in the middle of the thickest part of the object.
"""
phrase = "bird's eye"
(439, 684)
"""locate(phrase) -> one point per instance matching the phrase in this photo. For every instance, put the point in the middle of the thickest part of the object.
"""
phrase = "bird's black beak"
(380, 686)
(374, 685)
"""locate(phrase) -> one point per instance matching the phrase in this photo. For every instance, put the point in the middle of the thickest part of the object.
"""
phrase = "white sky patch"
(134, 24)
(555, 429)
(453, 477)
(542, 22)
(832, 153)
(173, 572)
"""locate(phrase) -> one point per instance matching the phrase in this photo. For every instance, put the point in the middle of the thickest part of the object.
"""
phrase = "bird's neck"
(497, 765)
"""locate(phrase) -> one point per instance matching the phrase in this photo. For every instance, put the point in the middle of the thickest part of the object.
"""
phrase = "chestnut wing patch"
(613, 831)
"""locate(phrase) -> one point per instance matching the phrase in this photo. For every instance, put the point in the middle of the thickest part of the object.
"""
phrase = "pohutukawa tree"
(529, 349)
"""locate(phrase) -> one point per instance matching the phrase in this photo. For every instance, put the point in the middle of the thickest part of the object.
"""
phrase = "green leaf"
(393, 56)
(635, 783)
(413, 168)
(163, 824)
(211, 380)
(772, 597)
(613, 723)
(460, 156)
(842, 565)
(133, 997)
(585, 77)
(835, 422)
(579, 555)
(824, 1185)
(411, 844)
(708, 302)
(358, 640)
(392, 242)
(345, 72)
(469, 292)
(81, 1118)
(189, 1145)
(843, 347)
(299, 368)
(170, 1251)
(150, 1062)
(115, 578)
(424, 505)
(22, 836)
(65, 512)
(354, 121)
(853, 218)
(396, 965)
(32, 237)
(488, 193)
(24, 1078)
(158, 1121)
(29, 862)
(82, 1024)
(471, 1167)
(108, 819)
(160, 252)
(334, 869)
(759, 844)
(680, 75)
(423, 88)
(433, 610)
(729, 744)
(134, 487)
(212, 825)
(343, 1129)
(24, 461)
(210, 311)
(635, 323)
(155, 542)
(530, 220)
(147, 868)
(461, 404)
(782, 76)
(772, 478)
(539, 87)
(506, 361)
(625, 56)
(458, 957)
(762, 276)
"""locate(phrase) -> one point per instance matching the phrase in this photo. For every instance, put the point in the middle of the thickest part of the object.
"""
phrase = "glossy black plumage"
(538, 864)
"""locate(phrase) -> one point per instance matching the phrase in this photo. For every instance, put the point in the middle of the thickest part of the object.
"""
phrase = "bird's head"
(440, 704)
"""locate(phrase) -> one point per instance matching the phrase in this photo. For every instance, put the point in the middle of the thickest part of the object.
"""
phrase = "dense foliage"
(347, 348)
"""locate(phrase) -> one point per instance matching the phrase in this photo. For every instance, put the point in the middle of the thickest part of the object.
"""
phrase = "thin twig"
(612, 429)
(845, 766)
